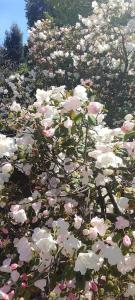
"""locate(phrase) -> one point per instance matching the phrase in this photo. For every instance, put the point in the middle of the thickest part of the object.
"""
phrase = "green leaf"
(92, 120)
(129, 135)
(78, 118)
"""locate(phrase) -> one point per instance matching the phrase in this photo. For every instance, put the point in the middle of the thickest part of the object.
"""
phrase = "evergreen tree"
(35, 10)
(64, 12)
(14, 44)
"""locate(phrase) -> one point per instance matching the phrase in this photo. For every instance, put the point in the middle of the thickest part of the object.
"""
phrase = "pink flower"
(94, 287)
(92, 234)
(11, 294)
(5, 297)
(45, 213)
(86, 232)
(121, 223)
(4, 230)
(72, 103)
(13, 267)
(68, 123)
(99, 225)
(15, 276)
(126, 241)
(52, 201)
(78, 222)
(14, 208)
(68, 208)
(70, 284)
(34, 220)
(94, 108)
(127, 126)
(71, 296)
(24, 277)
(62, 286)
(48, 133)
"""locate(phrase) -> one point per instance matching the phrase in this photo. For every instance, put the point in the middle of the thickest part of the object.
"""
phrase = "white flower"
(99, 225)
(123, 202)
(112, 253)
(80, 92)
(92, 233)
(6, 168)
(68, 123)
(46, 244)
(26, 139)
(15, 276)
(88, 260)
(42, 96)
(58, 92)
(131, 290)
(15, 107)
(41, 283)
(36, 206)
(7, 146)
(24, 249)
(126, 264)
(72, 103)
(19, 216)
(61, 226)
(6, 266)
(38, 234)
(71, 244)
(108, 159)
(101, 180)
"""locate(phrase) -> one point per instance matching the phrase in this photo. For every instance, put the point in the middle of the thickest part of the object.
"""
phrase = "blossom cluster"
(67, 186)
(99, 50)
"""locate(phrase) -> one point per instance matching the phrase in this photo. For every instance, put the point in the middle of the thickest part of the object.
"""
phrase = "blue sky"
(12, 11)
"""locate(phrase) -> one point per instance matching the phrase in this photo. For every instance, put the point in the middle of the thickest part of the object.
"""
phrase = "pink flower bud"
(13, 267)
(94, 287)
(62, 286)
(24, 285)
(24, 277)
(94, 108)
(126, 241)
(35, 219)
(78, 222)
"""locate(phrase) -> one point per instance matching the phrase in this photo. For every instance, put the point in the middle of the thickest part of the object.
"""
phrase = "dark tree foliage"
(64, 12)
(14, 44)
(35, 10)
(2, 55)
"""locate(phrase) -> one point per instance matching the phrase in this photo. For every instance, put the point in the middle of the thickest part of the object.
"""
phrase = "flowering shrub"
(99, 49)
(67, 200)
